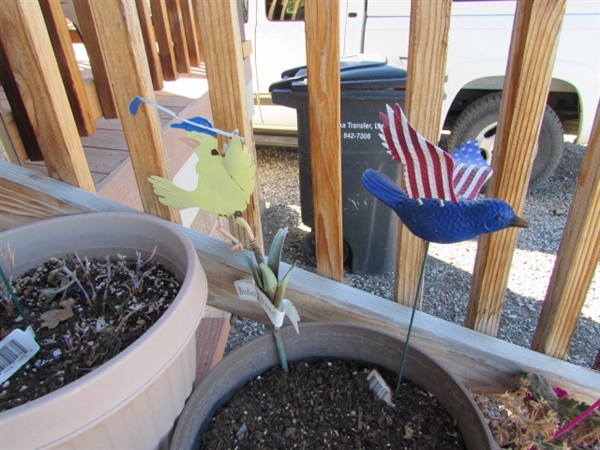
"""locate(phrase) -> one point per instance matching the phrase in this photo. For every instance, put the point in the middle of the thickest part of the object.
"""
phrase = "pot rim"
(260, 355)
(180, 320)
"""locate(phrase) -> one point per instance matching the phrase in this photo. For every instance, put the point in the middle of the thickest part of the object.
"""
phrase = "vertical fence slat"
(531, 58)
(180, 50)
(89, 33)
(67, 64)
(29, 147)
(323, 66)
(143, 10)
(162, 28)
(122, 45)
(221, 36)
(29, 52)
(577, 259)
(191, 33)
(428, 45)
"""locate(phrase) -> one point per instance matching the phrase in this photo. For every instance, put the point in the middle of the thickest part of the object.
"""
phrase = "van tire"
(478, 122)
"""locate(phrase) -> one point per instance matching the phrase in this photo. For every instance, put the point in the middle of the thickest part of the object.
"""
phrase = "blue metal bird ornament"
(440, 203)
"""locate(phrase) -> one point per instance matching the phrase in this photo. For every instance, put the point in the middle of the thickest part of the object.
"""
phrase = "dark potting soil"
(79, 332)
(328, 405)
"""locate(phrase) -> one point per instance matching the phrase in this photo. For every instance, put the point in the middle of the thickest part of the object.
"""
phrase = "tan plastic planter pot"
(133, 400)
(329, 341)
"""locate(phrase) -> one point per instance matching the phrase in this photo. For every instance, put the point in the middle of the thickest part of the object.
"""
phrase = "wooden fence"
(131, 43)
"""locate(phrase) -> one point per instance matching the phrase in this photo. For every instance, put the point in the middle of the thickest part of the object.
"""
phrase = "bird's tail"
(382, 187)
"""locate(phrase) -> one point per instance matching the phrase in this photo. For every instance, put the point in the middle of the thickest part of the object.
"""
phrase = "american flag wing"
(428, 169)
(470, 171)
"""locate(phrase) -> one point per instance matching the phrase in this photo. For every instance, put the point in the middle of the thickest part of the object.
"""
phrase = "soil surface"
(107, 305)
(329, 405)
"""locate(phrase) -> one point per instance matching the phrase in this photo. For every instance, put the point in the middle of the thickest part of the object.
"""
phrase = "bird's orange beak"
(519, 222)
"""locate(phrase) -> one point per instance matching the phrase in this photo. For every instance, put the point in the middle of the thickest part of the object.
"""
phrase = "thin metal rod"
(412, 318)
(184, 120)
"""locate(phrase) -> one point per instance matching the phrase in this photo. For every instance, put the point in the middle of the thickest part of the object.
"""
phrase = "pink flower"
(560, 393)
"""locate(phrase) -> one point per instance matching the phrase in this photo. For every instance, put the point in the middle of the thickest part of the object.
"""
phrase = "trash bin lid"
(356, 73)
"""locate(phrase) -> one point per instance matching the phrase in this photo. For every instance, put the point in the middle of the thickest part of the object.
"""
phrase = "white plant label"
(378, 385)
(15, 350)
(248, 291)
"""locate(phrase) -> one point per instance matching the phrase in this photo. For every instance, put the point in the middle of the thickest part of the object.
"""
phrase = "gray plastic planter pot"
(318, 341)
(133, 400)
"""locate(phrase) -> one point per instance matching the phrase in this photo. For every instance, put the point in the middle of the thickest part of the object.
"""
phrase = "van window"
(284, 10)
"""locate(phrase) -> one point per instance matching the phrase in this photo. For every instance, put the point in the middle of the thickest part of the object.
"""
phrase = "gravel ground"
(449, 267)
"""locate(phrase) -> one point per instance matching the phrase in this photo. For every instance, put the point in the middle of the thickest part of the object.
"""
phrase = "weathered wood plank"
(427, 51)
(324, 98)
(88, 27)
(191, 33)
(15, 113)
(10, 139)
(67, 64)
(213, 330)
(482, 362)
(29, 52)
(227, 80)
(531, 58)
(577, 259)
(143, 9)
(162, 28)
(120, 36)
(180, 50)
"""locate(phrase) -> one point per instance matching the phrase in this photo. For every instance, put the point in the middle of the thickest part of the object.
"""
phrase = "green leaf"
(282, 287)
(254, 271)
(269, 279)
(276, 250)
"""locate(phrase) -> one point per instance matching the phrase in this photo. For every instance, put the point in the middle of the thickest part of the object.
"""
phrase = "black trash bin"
(370, 227)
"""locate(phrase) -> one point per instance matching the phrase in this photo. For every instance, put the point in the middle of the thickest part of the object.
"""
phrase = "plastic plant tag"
(378, 385)
(15, 350)
(247, 290)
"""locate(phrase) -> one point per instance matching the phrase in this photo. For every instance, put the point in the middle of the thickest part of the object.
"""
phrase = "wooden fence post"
(27, 46)
(427, 52)
(67, 64)
(323, 66)
(143, 9)
(531, 58)
(221, 37)
(162, 27)
(123, 50)
(577, 259)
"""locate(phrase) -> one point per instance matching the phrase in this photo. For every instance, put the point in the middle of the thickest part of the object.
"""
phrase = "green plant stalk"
(13, 297)
(412, 318)
(281, 350)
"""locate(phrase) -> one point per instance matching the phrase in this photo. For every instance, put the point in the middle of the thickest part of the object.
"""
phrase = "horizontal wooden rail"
(482, 362)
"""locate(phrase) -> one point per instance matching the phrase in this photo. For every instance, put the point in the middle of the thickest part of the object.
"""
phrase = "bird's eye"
(497, 218)
(214, 152)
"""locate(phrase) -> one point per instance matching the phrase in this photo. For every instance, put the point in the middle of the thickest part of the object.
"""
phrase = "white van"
(480, 36)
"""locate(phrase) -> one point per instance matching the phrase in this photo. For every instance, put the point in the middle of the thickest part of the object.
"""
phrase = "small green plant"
(268, 283)
(225, 185)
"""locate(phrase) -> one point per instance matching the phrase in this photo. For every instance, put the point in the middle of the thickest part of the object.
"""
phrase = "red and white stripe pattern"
(471, 171)
(429, 172)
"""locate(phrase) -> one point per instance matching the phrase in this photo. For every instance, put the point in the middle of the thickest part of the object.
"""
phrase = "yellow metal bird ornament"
(225, 179)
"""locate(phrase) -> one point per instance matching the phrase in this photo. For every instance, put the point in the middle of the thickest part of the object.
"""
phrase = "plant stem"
(280, 350)
(412, 318)
(13, 296)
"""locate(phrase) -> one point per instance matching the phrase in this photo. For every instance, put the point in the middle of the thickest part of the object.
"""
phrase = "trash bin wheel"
(310, 250)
